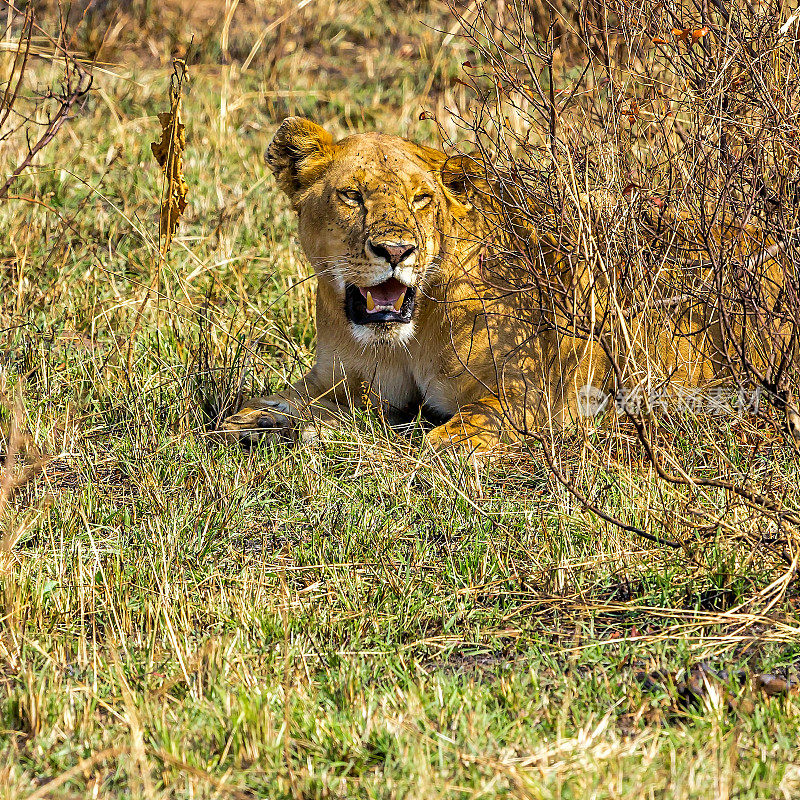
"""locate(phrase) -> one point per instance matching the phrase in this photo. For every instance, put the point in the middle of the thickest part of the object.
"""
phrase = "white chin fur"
(366, 335)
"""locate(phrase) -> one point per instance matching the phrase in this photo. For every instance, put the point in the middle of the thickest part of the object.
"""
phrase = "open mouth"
(390, 301)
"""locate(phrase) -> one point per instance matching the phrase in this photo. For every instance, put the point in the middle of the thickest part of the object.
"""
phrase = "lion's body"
(471, 343)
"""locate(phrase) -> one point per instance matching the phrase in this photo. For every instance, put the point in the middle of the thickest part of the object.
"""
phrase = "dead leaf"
(773, 685)
(169, 154)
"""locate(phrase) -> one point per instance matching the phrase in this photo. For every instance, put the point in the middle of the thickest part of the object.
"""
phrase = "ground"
(183, 618)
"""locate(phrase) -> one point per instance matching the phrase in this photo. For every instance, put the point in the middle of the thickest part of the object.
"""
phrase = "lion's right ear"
(298, 153)
(464, 177)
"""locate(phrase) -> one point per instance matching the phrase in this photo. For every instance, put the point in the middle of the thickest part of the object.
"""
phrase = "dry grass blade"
(204, 775)
(13, 476)
(83, 765)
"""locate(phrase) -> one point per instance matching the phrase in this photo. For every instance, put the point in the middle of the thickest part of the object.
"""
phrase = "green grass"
(181, 618)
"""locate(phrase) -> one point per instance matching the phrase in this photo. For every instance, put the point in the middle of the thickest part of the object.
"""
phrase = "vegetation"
(182, 618)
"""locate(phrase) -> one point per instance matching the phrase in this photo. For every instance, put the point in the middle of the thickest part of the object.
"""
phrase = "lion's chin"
(383, 336)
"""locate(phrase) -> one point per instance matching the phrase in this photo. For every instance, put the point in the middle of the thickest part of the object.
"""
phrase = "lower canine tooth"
(399, 302)
(370, 302)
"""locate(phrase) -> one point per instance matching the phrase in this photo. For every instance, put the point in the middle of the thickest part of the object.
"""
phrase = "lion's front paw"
(440, 438)
(456, 438)
(269, 420)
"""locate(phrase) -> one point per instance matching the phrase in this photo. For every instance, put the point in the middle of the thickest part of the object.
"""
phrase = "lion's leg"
(477, 426)
(294, 414)
(571, 400)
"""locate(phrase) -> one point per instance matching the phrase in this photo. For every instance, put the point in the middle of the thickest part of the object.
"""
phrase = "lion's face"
(372, 212)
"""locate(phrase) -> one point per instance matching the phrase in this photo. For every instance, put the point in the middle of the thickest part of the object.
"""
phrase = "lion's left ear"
(298, 153)
(464, 177)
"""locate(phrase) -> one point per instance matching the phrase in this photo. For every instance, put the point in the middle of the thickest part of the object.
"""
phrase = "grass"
(181, 618)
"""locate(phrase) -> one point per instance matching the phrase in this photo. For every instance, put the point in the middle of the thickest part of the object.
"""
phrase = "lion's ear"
(464, 177)
(298, 153)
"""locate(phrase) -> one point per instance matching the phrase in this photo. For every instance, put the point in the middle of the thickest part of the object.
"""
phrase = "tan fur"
(484, 353)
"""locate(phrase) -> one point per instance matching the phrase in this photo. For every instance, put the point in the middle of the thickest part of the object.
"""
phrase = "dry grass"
(184, 619)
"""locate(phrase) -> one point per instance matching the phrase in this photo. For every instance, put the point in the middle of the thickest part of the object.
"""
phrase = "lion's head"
(374, 216)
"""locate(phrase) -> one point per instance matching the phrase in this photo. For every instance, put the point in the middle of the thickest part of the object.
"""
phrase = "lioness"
(408, 317)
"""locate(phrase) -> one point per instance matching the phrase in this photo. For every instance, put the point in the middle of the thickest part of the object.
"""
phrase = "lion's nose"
(394, 252)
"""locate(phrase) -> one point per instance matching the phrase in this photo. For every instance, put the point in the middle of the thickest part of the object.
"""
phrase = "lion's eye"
(422, 200)
(351, 196)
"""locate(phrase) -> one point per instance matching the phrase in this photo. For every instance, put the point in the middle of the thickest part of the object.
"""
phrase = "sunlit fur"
(384, 188)
(481, 348)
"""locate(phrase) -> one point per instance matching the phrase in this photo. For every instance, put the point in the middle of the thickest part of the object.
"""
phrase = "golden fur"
(484, 353)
